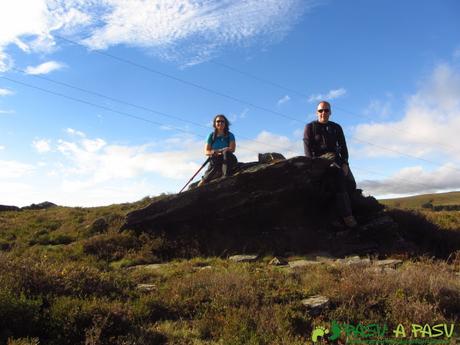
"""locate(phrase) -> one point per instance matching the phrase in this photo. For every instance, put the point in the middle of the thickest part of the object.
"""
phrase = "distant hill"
(440, 200)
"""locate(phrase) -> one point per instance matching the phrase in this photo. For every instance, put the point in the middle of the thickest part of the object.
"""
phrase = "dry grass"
(64, 280)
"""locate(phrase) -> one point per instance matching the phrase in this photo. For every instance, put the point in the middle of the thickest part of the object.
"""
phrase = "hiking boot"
(350, 221)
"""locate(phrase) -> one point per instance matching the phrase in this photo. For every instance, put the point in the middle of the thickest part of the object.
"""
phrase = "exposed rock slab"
(146, 287)
(303, 263)
(315, 304)
(150, 267)
(243, 258)
(390, 263)
(278, 207)
(278, 261)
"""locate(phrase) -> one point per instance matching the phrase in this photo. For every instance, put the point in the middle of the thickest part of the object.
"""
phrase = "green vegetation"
(427, 201)
(69, 276)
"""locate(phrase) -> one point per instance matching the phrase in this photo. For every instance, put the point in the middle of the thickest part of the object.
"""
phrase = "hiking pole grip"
(202, 166)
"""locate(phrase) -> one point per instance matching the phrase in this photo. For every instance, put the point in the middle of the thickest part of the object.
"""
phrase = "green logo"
(318, 332)
(372, 334)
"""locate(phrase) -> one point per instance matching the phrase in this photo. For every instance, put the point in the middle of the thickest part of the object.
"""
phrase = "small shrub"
(40, 277)
(99, 226)
(73, 320)
(19, 315)
(111, 246)
(149, 308)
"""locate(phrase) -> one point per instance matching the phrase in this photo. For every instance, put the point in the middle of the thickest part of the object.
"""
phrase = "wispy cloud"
(29, 24)
(44, 68)
(379, 108)
(42, 145)
(5, 92)
(456, 53)
(234, 117)
(89, 171)
(429, 125)
(283, 100)
(14, 169)
(188, 31)
(332, 94)
(268, 142)
(414, 180)
(430, 121)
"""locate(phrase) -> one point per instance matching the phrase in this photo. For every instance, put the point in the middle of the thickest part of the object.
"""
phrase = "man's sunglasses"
(220, 121)
(323, 110)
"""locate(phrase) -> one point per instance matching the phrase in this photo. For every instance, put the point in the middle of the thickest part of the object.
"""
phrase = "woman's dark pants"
(222, 165)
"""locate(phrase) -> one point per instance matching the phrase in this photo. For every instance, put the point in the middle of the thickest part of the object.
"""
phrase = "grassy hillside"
(417, 201)
(69, 276)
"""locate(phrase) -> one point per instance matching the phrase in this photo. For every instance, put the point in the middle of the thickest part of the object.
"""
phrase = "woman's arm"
(208, 151)
(232, 146)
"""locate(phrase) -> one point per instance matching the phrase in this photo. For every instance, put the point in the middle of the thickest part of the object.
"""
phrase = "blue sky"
(391, 70)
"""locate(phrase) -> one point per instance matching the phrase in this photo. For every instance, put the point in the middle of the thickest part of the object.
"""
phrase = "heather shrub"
(72, 320)
(34, 277)
(149, 308)
(111, 246)
(419, 292)
(19, 315)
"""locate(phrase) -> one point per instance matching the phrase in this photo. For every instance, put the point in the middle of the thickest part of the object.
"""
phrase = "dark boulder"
(286, 206)
(9, 208)
(40, 206)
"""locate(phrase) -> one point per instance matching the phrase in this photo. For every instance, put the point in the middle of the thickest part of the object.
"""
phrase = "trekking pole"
(205, 162)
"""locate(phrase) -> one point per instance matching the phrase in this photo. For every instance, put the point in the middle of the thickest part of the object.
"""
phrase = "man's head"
(323, 111)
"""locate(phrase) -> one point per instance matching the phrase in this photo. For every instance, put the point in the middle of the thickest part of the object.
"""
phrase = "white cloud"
(2, 147)
(199, 27)
(5, 92)
(414, 180)
(428, 129)
(5, 61)
(234, 117)
(332, 94)
(247, 150)
(6, 111)
(42, 145)
(99, 161)
(14, 169)
(85, 171)
(72, 131)
(29, 24)
(283, 100)
(429, 125)
(379, 109)
(44, 68)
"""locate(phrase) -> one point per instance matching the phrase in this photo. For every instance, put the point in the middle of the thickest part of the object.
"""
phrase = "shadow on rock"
(269, 208)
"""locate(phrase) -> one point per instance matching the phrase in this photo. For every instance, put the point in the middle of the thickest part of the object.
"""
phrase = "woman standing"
(220, 146)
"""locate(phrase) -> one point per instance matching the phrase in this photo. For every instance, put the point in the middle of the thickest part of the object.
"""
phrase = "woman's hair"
(227, 124)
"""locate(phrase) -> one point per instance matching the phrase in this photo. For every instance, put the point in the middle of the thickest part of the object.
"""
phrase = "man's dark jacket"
(320, 138)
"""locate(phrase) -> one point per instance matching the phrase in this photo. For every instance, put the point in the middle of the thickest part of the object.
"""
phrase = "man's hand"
(345, 169)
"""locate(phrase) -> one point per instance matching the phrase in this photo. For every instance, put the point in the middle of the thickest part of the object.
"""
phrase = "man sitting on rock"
(323, 138)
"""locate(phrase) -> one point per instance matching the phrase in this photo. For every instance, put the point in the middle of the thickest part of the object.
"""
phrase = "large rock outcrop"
(286, 206)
